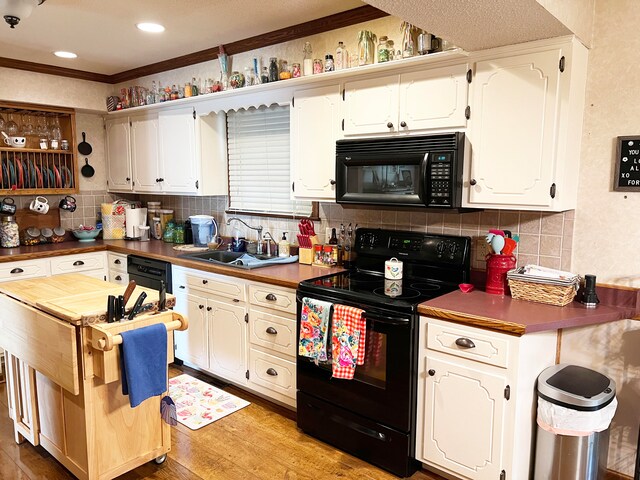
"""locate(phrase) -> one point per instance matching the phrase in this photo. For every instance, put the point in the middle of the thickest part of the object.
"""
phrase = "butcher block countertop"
(286, 275)
(518, 317)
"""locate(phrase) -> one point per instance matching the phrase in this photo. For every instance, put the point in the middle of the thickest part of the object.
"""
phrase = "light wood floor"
(257, 442)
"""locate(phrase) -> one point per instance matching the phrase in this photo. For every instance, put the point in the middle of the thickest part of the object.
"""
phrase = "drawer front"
(272, 372)
(23, 270)
(118, 277)
(271, 297)
(216, 285)
(271, 331)
(117, 262)
(468, 342)
(77, 263)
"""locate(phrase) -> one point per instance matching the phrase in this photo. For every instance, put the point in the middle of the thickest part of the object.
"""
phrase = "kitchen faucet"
(269, 238)
(257, 229)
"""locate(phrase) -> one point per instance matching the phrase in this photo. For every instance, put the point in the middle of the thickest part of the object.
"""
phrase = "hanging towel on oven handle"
(348, 336)
(314, 328)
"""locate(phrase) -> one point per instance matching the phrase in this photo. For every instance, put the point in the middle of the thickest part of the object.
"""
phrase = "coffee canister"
(393, 269)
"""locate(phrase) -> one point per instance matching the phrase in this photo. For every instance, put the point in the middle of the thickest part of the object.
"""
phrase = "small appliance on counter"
(205, 230)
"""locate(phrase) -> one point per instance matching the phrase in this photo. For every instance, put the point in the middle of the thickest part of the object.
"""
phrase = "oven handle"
(399, 321)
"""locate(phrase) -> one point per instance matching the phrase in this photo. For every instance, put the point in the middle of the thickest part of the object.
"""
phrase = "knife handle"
(136, 307)
(111, 303)
(121, 305)
(162, 299)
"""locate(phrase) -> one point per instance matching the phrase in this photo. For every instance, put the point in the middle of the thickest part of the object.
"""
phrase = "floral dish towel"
(347, 340)
(314, 325)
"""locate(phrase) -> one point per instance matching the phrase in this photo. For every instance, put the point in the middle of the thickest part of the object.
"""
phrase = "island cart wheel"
(161, 459)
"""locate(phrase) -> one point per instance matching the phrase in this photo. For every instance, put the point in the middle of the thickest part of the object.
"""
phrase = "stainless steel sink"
(224, 257)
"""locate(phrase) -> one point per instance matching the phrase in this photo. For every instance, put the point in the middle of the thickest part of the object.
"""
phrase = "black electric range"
(373, 415)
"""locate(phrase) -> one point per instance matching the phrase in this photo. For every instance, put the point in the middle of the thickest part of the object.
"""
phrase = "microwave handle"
(424, 172)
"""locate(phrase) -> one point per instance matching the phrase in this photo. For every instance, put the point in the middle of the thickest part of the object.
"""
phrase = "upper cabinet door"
(435, 98)
(315, 127)
(118, 154)
(144, 154)
(178, 156)
(371, 106)
(513, 130)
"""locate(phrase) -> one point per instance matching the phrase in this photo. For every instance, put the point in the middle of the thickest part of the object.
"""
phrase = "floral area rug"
(198, 404)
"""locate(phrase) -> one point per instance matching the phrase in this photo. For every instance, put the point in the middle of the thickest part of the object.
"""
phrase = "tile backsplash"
(545, 238)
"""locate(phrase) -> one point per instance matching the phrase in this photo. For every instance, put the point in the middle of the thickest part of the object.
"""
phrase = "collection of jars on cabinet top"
(370, 50)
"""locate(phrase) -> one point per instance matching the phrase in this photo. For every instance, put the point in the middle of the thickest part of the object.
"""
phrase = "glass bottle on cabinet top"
(383, 50)
(341, 60)
(307, 62)
(273, 69)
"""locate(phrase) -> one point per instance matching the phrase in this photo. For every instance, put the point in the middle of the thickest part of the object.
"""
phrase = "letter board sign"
(627, 164)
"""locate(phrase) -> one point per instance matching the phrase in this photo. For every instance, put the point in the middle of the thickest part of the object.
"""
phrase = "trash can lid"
(576, 387)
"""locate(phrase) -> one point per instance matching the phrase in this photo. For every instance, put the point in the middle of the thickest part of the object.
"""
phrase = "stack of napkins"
(538, 274)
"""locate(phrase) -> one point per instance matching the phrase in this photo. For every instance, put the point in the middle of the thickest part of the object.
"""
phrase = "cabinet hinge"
(197, 184)
(293, 101)
(130, 124)
(507, 392)
(561, 64)
(194, 114)
(469, 76)
(503, 475)
(293, 186)
(343, 124)
(467, 112)
(343, 94)
(133, 184)
(247, 374)
(246, 318)
(552, 190)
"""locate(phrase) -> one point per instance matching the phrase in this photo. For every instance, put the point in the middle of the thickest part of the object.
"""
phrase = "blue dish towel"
(248, 260)
(143, 354)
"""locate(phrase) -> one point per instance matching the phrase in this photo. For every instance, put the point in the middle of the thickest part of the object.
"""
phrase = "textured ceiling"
(478, 24)
(103, 32)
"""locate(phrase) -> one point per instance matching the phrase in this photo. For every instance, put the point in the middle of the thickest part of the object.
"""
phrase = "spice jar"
(285, 74)
(9, 232)
(273, 69)
(317, 66)
(295, 70)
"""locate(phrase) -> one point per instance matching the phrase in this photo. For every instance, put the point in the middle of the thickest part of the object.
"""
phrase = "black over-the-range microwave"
(424, 170)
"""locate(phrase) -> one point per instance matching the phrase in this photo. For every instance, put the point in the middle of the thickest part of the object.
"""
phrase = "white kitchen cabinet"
(427, 99)
(173, 151)
(145, 157)
(526, 117)
(228, 339)
(191, 345)
(118, 154)
(315, 127)
(476, 399)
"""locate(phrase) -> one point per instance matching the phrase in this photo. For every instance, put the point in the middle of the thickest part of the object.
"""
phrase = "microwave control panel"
(440, 179)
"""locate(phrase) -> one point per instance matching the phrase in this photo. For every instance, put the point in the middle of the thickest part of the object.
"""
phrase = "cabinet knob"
(272, 372)
(465, 343)
(200, 307)
(389, 125)
(431, 372)
(118, 277)
(272, 331)
(16, 270)
(332, 182)
(209, 309)
(78, 263)
(204, 282)
(271, 297)
(161, 179)
(403, 124)
(128, 179)
(472, 181)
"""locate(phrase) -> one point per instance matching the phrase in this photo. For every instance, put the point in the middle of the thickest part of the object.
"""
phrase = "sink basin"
(230, 259)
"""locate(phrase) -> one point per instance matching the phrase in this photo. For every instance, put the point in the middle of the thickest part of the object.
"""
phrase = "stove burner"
(407, 293)
(426, 287)
(362, 278)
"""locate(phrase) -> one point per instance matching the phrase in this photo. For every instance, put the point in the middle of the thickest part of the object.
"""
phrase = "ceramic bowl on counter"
(86, 235)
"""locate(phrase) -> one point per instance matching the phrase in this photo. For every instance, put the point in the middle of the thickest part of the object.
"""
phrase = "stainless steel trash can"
(569, 457)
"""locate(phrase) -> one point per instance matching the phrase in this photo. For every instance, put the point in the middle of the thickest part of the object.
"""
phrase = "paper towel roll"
(134, 217)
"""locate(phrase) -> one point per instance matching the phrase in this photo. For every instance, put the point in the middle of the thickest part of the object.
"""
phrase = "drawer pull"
(17, 270)
(272, 331)
(271, 297)
(182, 287)
(117, 261)
(431, 372)
(204, 282)
(465, 343)
(78, 263)
(272, 372)
(118, 277)
(236, 300)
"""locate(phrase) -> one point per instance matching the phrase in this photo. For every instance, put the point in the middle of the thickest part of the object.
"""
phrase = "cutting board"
(25, 218)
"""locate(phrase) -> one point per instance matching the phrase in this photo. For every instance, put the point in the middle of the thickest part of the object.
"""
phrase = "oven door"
(383, 387)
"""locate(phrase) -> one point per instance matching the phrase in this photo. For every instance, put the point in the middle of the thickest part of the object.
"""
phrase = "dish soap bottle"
(283, 246)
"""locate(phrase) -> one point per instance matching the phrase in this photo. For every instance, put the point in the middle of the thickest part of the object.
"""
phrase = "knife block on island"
(305, 255)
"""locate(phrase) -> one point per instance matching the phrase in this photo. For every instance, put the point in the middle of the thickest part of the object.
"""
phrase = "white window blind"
(259, 179)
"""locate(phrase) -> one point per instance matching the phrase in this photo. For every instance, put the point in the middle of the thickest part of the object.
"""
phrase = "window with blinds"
(259, 179)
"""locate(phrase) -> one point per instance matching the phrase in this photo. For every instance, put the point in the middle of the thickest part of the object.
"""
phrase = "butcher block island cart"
(64, 380)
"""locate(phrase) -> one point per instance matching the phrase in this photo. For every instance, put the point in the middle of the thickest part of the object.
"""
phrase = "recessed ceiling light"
(65, 54)
(150, 27)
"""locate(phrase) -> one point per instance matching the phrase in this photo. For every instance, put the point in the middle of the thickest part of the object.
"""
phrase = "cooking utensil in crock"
(83, 147)
(87, 170)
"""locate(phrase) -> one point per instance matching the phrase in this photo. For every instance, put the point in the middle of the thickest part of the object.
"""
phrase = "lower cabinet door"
(464, 419)
(191, 344)
(227, 340)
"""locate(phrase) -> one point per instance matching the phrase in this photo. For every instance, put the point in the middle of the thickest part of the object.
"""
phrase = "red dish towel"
(348, 335)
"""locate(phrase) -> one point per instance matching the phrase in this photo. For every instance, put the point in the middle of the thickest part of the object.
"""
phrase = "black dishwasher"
(149, 273)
